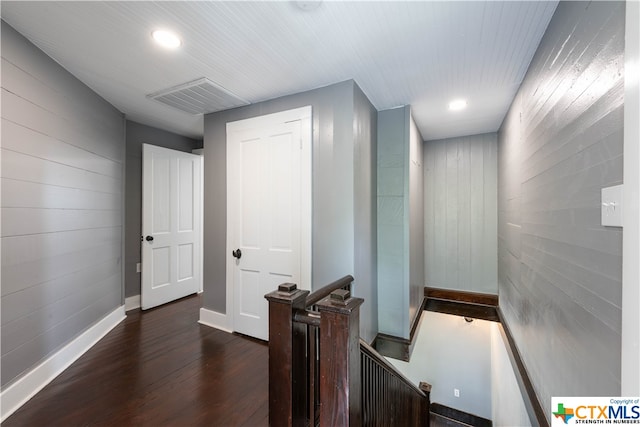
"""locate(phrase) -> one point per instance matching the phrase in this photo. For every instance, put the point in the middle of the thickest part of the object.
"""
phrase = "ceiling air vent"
(200, 96)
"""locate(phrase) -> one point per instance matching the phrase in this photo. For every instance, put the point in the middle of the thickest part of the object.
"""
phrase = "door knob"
(149, 238)
(237, 253)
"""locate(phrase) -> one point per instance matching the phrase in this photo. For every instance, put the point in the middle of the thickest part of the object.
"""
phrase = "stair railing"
(321, 373)
(388, 397)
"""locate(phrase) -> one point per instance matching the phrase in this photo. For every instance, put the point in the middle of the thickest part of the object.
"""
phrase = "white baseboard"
(18, 393)
(214, 319)
(131, 303)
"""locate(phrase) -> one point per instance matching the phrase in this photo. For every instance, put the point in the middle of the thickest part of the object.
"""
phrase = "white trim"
(131, 303)
(306, 198)
(18, 393)
(201, 260)
(630, 373)
(214, 319)
(152, 296)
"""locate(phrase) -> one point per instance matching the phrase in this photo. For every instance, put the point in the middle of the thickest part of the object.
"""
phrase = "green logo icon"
(564, 413)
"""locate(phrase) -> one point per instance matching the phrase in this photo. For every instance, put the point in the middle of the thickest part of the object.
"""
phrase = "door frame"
(304, 114)
(198, 202)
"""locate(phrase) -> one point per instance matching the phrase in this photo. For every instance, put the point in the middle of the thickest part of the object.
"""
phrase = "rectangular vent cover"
(200, 96)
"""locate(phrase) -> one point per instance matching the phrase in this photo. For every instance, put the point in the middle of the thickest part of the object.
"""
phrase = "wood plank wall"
(460, 214)
(62, 180)
(416, 221)
(400, 224)
(559, 269)
(365, 137)
(393, 224)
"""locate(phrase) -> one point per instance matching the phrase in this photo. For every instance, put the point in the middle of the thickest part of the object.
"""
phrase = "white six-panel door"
(171, 234)
(269, 212)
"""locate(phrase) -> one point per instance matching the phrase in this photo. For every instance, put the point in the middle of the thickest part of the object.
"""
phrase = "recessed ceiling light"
(458, 104)
(166, 39)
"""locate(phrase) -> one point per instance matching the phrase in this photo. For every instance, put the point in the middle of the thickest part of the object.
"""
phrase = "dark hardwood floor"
(158, 368)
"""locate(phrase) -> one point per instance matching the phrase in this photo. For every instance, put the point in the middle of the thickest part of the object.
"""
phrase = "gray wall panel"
(45, 92)
(330, 106)
(25, 328)
(461, 213)
(33, 143)
(19, 361)
(23, 194)
(136, 135)
(16, 304)
(20, 275)
(561, 142)
(393, 222)
(64, 117)
(30, 115)
(24, 167)
(365, 129)
(62, 179)
(335, 176)
(401, 244)
(416, 220)
(23, 221)
(65, 94)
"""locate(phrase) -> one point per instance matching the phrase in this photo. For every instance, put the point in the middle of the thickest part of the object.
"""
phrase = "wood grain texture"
(388, 397)
(457, 308)
(462, 296)
(561, 142)
(159, 367)
(340, 375)
(288, 361)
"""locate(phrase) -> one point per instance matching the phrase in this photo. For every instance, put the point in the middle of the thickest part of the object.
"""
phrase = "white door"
(171, 225)
(268, 213)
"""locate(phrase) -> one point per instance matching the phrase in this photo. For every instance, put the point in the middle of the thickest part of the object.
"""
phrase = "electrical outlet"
(456, 392)
(138, 268)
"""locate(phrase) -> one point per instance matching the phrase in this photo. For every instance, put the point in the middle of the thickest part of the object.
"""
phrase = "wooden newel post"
(287, 359)
(340, 383)
(426, 404)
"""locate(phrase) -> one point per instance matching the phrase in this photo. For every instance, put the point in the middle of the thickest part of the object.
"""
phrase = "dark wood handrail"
(325, 291)
(307, 317)
(321, 372)
(388, 397)
(372, 353)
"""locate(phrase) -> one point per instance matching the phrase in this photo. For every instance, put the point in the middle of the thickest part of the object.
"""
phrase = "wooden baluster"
(287, 358)
(340, 382)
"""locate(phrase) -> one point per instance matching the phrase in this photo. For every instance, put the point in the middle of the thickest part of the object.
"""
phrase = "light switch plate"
(612, 206)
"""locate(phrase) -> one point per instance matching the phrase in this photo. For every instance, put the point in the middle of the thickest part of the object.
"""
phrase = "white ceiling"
(422, 53)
